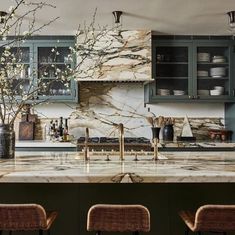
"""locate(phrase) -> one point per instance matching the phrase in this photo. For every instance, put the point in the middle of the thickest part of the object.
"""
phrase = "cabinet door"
(51, 61)
(172, 70)
(18, 67)
(212, 71)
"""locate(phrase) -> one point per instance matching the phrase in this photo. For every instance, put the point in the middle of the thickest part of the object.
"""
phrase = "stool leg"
(40, 232)
(186, 231)
(97, 233)
(199, 233)
(48, 232)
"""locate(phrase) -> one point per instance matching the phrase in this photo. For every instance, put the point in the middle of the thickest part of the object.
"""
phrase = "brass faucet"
(86, 148)
(121, 141)
(155, 149)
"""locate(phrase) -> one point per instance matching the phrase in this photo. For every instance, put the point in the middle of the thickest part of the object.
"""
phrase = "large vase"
(168, 133)
(155, 132)
(7, 141)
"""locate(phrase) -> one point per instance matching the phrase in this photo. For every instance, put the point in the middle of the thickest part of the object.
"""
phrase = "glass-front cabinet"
(41, 61)
(213, 71)
(53, 61)
(172, 70)
(16, 66)
(191, 70)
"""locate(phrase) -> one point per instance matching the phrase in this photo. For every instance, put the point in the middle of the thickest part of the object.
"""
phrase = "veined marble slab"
(67, 167)
(44, 144)
(117, 56)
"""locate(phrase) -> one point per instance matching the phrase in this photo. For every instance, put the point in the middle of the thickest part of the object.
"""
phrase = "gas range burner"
(105, 143)
(127, 140)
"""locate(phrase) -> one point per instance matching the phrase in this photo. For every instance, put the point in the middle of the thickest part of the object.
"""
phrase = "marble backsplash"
(102, 105)
(117, 55)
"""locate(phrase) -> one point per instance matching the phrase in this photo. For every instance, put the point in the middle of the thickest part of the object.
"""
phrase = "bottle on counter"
(51, 130)
(56, 129)
(66, 130)
(61, 129)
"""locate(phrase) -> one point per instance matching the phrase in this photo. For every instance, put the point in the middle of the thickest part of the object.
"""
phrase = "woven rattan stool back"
(118, 218)
(210, 218)
(25, 217)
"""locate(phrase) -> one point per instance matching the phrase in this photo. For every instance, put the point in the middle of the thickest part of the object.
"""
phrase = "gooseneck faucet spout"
(86, 148)
(121, 141)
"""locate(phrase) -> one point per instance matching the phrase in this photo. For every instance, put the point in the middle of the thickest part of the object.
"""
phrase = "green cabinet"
(192, 70)
(42, 58)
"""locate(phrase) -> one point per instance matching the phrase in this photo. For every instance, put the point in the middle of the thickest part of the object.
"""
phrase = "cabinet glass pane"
(212, 71)
(52, 63)
(56, 88)
(171, 70)
(15, 64)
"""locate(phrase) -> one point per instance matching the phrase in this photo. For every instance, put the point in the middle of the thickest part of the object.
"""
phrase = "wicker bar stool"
(118, 218)
(210, 218)
(25, 217)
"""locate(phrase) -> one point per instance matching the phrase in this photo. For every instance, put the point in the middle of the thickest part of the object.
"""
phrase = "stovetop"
(127, 140)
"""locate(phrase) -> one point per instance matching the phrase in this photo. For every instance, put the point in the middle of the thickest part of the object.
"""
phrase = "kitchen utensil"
(156, 122)
(161, 121)
(150, 121)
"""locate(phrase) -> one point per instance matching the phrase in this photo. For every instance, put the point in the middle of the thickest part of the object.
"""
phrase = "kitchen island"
(70, 167)
(63, 181)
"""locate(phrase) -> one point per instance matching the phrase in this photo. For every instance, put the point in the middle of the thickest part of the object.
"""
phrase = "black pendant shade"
(117, 15)
(2, 16)
(231, 15)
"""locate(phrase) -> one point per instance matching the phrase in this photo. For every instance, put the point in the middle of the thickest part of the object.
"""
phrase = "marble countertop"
(202, 145)
(70, 167)
(43, 144)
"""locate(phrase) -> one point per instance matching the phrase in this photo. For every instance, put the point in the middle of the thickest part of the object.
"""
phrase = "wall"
(104, 104)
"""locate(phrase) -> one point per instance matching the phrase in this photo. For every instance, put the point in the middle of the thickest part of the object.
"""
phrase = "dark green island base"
(72, 201)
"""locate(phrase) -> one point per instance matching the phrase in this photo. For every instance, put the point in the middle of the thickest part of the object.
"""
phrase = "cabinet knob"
(190, 97)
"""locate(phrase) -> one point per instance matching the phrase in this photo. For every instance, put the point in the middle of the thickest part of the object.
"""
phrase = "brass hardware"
(121, 141)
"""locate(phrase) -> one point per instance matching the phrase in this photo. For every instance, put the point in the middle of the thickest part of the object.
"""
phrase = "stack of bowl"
(179, 92)
(203, 57)
(163, 91)
(218, 72)
(202, 73)
(218, 90)
(218, 59)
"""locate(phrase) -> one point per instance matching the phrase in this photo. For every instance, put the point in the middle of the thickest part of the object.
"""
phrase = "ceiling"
(193, 17)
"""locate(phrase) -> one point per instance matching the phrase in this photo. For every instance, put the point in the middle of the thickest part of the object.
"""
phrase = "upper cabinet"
(192, 70)
(48, 66)
(41, 65)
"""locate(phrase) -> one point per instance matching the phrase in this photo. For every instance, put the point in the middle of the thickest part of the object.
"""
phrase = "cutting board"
(26, 130)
